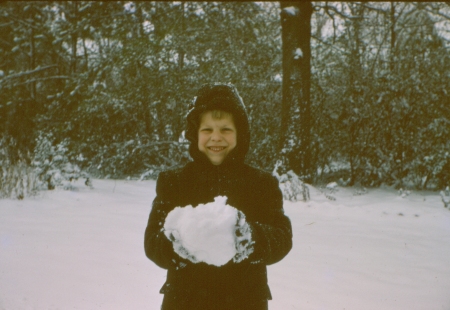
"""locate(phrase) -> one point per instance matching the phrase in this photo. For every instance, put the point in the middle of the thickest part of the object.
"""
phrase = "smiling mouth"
(216, 148)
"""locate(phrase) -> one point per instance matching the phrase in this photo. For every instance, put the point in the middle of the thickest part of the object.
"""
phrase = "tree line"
(102, 88)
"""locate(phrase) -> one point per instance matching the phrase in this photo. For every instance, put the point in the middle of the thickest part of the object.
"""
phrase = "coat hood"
(223, 97)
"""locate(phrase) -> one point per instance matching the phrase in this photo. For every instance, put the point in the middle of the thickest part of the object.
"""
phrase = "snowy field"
(83, 249)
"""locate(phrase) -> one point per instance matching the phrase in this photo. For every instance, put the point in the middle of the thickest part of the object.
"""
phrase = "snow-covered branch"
(291, 11)
(57, 77)
(20, 74)
(161, 143)
(329, 8)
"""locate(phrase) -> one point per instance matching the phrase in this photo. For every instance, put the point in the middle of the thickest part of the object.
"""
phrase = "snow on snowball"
(207, 231)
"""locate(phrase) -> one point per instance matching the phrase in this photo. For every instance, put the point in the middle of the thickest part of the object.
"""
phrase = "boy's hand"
(174, 236)
(243, 239)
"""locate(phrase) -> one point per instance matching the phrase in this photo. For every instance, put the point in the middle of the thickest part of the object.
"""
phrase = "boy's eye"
(206, 129)
(227, 129)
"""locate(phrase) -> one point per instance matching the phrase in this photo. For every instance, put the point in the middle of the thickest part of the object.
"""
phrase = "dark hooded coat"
(255, 192)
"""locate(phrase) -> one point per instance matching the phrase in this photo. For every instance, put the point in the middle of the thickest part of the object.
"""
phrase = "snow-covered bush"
(170, 154)
(52, 165)
(429, 171)
(137, 157)
(17, 179)
(291, 185)
(262, 103)
(445, 197)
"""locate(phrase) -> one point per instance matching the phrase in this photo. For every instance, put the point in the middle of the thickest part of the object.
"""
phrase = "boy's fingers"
(168, 234)
(172, 235)
(176, 235)
(240, 218)
(238, 232)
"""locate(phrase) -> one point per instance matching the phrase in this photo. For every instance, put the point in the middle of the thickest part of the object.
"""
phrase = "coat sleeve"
(157, 247)
(273, 237)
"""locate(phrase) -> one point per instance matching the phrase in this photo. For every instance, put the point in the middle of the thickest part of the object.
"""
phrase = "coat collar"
(202, 163)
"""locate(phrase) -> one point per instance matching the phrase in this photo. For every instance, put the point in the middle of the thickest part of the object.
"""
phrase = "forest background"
(101, 89)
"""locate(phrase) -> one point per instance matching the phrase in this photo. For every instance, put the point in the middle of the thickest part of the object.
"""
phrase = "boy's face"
(216, 136)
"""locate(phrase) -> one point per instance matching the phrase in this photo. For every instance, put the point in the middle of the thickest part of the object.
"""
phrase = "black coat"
(233, 285)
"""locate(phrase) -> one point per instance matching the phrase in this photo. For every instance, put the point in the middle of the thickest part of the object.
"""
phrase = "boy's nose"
(216, 136)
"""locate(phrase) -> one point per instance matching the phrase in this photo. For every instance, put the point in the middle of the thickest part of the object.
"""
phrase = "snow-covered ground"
(83, 249)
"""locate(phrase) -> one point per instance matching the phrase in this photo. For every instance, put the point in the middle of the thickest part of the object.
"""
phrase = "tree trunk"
(393, 36)
(32, 62)
(74, 38)
(296, 111)
(181, 51)
(86, 56)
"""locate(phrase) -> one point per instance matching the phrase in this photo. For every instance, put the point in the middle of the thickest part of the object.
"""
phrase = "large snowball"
(206, 231)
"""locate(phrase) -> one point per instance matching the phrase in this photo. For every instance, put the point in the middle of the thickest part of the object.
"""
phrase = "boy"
(219, 135)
